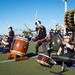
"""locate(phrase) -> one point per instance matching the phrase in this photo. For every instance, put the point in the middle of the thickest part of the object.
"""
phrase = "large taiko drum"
(43, 59)
(69, 19)
(20, 46)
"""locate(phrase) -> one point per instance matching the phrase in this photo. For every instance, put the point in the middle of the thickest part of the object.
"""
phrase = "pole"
(65, 12)
(65, 5)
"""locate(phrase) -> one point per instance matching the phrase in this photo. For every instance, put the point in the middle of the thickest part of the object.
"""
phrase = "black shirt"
(67, 50)
(41, 33)
(11, 34)
(58, 32)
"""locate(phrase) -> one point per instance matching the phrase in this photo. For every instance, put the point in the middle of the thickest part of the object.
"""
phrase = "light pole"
(65, 1)
(65, 5)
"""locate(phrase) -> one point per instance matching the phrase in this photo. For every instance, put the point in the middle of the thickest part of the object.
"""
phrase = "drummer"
(11, 34)
(52, 33)
(66, 47)
(40, 37)
(36, 32)
(58, 30)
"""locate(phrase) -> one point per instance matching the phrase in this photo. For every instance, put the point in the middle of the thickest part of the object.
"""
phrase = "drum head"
(56, 41)
(22, 38)
(19, 45)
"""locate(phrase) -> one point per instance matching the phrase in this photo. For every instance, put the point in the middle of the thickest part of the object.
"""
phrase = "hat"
(52, 30)
(10, 28)
(6, 36)
(57, 24)
(36, 22)
(66, 36)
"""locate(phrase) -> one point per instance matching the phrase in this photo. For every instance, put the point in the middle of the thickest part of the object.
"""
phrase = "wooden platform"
(16, 57)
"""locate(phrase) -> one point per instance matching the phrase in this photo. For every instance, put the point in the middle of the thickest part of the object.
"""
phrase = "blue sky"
(18, 12)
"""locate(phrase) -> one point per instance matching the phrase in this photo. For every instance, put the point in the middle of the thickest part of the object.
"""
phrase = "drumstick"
(56, 22)
(8, 23)
(26, 26)
(36, 13)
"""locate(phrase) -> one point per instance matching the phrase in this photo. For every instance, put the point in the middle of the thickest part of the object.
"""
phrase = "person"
(36, 30)
(11, 34)
(53, 35)
(41, 37)
(66, 49)
(51, 32)
(58, 30)
(6, 46)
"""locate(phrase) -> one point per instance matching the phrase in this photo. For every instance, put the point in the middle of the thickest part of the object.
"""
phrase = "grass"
(30, 66)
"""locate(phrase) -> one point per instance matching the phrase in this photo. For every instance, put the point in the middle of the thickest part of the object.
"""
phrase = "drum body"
(43, 59)
(20, 45)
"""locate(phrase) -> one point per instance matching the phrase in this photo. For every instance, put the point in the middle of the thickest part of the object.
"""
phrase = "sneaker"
(51, 64)
(54, 62)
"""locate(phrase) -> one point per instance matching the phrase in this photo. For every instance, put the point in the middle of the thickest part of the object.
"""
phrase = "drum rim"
(21, 38)
(42, 62)
(17, 52)
(44, 55)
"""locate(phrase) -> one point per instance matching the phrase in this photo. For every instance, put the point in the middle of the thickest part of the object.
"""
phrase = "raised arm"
(38, 23)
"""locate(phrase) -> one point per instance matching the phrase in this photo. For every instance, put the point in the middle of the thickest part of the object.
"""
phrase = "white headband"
(66, 36)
